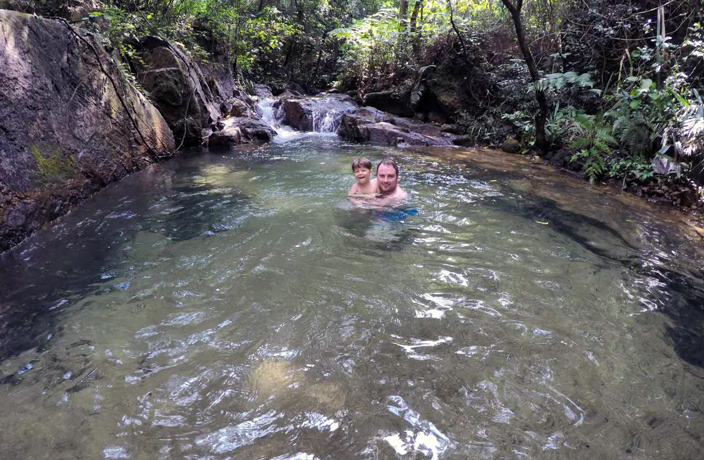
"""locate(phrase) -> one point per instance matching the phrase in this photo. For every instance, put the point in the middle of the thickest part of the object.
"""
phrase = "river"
(234, 305)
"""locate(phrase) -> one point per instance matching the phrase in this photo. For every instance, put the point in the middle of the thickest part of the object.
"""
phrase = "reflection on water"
(236, 306)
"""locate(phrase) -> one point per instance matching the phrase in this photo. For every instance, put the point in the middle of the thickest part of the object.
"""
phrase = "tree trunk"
(320, 56)
(542, 115)
(415, 37)
(403, 10)
(414, 15)
(457, 31)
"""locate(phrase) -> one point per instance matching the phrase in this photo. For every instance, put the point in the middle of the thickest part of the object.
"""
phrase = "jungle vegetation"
(617, 84)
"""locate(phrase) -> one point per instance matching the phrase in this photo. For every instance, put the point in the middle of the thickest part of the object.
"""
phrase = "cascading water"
(327, 113)
(271, 117)
(326, 121)
(268, 112)
(320, 116)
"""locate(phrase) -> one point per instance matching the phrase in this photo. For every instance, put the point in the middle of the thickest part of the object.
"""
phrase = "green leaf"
(681, 100)
(635, 104)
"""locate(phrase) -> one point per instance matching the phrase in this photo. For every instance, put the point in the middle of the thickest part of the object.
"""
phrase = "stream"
(234, 305)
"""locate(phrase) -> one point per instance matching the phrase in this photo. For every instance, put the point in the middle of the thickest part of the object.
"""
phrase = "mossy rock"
(511, 145)
(54, 166)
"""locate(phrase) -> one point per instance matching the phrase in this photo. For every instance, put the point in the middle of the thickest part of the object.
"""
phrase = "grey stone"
(308, 114)
(376, 127)
(241, 130)
(64, 132)
(178, 88)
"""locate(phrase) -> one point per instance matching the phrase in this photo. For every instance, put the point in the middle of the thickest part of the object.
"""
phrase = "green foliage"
(523, 122)
(651, 122)
(561, 80)
(637, 168)
(485, 129)
(687, 135)
(369, 45)
(591, 140)
(384, 42)
(557, 126)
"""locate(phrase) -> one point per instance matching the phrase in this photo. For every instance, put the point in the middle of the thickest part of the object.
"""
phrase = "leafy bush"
(592, 140)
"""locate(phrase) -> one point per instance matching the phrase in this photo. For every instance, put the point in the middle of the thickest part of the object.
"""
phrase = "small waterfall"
(326, 121)
(327, 112)
(271, 116)
(321, 116)
(269, 113)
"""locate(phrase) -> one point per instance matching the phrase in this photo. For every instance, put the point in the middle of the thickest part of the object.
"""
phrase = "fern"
(580, 143)
(592, 140)
(692, 117)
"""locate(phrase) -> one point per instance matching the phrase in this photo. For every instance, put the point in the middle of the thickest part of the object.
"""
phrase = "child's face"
(363, 175)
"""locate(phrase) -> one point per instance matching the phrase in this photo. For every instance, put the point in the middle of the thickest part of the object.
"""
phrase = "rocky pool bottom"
(234, 305)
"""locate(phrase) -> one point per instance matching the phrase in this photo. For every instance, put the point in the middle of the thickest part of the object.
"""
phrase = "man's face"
(362, 175)
(386, 179)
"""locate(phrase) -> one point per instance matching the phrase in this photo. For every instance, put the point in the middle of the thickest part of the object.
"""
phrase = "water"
(236, 306)
(324, 113)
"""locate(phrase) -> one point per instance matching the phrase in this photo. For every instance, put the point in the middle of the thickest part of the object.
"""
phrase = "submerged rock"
(68, 123)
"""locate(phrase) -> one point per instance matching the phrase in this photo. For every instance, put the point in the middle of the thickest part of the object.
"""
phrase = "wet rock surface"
(64, 129)
(320, 113)
(376, 127)
(241, 130)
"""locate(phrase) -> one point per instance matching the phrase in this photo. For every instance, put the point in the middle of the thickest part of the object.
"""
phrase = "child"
(362, 170)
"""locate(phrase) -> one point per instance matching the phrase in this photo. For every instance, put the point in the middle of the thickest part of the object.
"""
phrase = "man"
(387, 181)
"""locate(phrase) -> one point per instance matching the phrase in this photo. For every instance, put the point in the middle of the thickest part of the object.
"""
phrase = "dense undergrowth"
(623, 79)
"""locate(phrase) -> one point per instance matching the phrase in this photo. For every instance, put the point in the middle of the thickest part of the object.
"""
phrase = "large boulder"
(373, 126)
(73, 10)
(262, 91)
(321, 113)
(241, 130)
(217, 69)
(69, 125)
(179, 90)
(390, 101)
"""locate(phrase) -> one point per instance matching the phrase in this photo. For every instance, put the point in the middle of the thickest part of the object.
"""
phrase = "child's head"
(362, 169)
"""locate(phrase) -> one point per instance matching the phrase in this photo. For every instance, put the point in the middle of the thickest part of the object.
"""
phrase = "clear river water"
(234, 305)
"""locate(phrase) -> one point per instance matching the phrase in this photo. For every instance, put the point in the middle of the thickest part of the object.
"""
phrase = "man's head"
(362, 170)
(387, 176)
